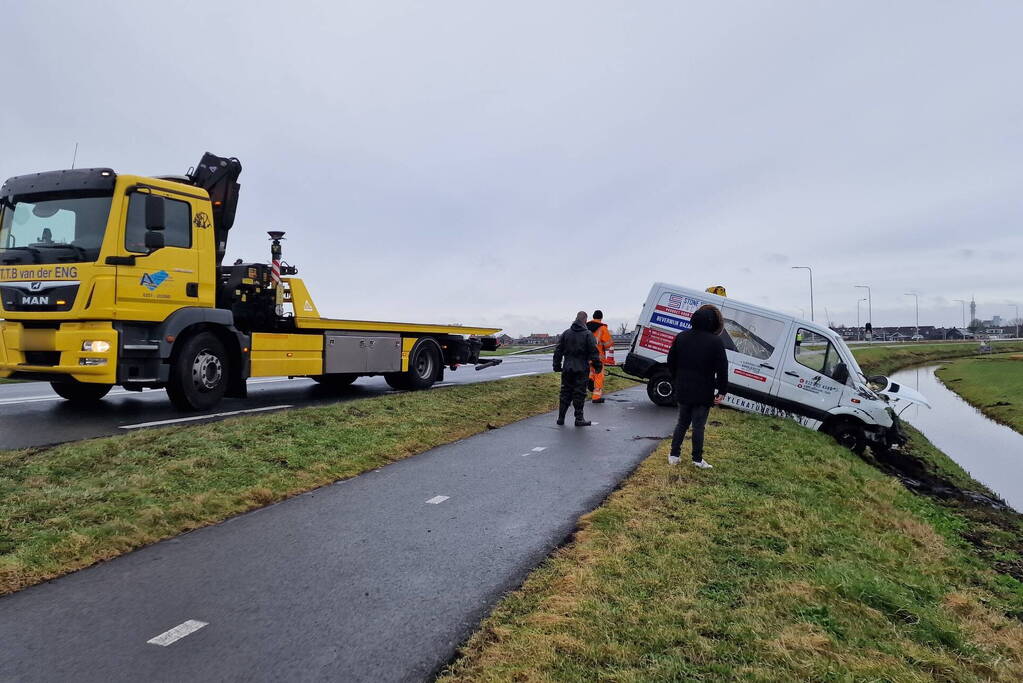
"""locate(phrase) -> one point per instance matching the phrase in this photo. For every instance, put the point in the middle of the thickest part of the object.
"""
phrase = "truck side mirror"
(154, 240)
(840, 373)
(154, 213)
(155, 222)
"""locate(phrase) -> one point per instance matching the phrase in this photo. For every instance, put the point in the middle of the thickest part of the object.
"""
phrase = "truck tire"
(659, 389)
(336, 381)
(849, 433)
(199, 373)
(423, 366)
(80, 393)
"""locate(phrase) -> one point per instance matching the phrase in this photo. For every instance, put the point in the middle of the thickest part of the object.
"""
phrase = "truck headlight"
(96, 346)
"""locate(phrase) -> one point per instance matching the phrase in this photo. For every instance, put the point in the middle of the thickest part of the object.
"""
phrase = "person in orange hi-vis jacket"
(606, 349)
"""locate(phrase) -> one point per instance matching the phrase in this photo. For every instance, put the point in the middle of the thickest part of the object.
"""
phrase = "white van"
(777, 364)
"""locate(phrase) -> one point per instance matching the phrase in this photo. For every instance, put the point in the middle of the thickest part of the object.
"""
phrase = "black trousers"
(695, 415)
(573, 391)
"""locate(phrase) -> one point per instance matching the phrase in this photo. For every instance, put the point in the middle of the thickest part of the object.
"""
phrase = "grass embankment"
(793, 559)
(66, 507)
(993, 384)
(885, 360)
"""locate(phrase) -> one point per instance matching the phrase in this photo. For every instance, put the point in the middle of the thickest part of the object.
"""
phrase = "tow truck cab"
(777, 365)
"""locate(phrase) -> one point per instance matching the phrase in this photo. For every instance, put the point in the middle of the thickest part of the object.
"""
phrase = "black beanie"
(598, 314)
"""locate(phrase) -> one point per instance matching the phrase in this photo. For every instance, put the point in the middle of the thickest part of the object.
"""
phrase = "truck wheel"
(659, 389)
(850, 435)
(81, 393)
(423, 366)
(336, 381)
(198, 376)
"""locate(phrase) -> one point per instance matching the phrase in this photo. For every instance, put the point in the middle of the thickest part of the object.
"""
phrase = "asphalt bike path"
(31, 414)
(377, 578)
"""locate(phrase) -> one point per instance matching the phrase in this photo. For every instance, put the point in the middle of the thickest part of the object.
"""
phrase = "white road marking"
(202, 417)
(524, 455)
(177, 633)
(539, 448)
(437, 500)
(519, 374)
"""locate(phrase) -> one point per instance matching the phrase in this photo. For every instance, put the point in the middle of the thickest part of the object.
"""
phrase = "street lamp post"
(1016, 306)
(917, 298)
(963, 302)
(870, 309)
(859, 330)
(811, 286)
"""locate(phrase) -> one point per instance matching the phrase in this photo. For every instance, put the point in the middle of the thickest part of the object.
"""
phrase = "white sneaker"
(702, 464)
(673, 459)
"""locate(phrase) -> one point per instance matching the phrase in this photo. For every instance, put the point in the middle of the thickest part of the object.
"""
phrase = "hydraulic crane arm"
(219, 177)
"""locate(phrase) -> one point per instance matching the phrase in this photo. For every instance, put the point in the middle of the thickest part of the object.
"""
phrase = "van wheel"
(199, 373)
(80, 393)
(850, 435)
(423, 368)
(659, 389)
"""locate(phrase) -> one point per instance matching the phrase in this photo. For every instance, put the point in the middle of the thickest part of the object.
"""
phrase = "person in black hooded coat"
(575, 354)
(699, 367)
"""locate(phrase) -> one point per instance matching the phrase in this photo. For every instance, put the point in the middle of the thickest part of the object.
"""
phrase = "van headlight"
(96, 346)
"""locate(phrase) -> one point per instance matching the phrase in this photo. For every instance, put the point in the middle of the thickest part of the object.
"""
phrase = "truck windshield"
(51, 229)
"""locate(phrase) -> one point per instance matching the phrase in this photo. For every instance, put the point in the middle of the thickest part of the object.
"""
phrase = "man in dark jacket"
(698, 367)
(576, 350)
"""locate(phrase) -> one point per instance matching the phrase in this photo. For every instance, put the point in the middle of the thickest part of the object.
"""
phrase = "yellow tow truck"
(109, 279)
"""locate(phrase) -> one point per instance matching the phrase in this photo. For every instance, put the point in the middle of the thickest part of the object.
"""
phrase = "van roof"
(728, 301)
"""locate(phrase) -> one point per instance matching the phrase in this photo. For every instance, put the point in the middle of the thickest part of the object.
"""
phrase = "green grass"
(885, 360)
(70, 506)
(793, 559)
(994, 384)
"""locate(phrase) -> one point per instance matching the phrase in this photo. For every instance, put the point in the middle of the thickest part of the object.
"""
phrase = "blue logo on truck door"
(153, 280)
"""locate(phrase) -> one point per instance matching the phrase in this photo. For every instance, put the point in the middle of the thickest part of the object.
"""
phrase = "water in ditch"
(992, 453)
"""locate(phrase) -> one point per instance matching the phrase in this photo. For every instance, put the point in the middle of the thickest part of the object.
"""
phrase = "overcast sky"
(510, 164)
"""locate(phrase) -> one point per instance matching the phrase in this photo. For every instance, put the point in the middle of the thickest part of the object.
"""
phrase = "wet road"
(32, 415)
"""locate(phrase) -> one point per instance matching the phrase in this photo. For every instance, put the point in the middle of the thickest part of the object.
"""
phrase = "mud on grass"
(67, 507)
(793, 559)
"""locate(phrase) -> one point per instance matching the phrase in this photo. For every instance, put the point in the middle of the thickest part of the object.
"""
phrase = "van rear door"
(805, 385)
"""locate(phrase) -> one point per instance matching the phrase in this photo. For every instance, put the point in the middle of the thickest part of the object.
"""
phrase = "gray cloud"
(509, 164)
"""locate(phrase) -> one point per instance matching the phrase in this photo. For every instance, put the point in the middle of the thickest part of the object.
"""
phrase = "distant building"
(537, 339)
(505, 340)
(959, 333)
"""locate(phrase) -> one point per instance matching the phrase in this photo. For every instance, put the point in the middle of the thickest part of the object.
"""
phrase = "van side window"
(751, 334)
(816, 352)
(177, 216)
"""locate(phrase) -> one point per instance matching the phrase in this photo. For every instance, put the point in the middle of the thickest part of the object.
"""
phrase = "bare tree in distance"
(623, 329)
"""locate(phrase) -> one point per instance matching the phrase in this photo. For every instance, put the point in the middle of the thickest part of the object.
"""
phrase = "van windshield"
(52, 229)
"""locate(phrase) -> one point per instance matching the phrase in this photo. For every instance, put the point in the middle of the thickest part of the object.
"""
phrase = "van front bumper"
(55, 354)
(888, 437)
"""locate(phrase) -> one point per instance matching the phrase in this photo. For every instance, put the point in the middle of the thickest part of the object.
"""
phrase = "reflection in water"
(990, 452)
